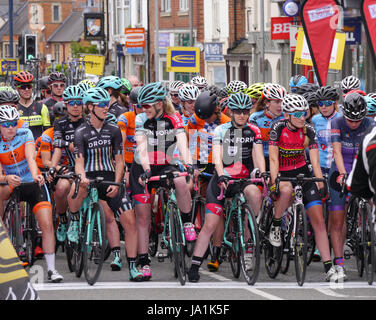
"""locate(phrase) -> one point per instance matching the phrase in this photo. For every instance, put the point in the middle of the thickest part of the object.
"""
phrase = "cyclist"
(297, 81)
(371, 107)
(271, 99)
(236, 86)
(200, 82)
(288, 140)
(57, 83)
(237, 150)
(188, 94)
(125, 90)
(45, 90)
(99, 153)
(346, 133)
(33, 112)
(113, 86)
(255, 92)
(174, 93)
(350, 83)
(202, 124)
(63, 137)
(159, 129)
(17, 159)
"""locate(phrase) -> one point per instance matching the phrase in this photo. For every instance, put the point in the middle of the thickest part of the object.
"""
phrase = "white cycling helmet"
(273, 91)
(350, 83)
(200, 82)
(236, 86)
(175, 86)
(8, 113)
(294, 103)
(188, 92)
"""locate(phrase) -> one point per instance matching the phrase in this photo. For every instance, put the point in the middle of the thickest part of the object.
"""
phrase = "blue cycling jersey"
(322, 127)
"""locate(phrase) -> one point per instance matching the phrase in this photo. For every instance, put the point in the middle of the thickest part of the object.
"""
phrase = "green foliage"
(77, 49)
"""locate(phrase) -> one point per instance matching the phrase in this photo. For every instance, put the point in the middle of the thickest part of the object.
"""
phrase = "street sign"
(183, 59)
(94, 64)
(280, 28)
(134, 37)
(213, 51)
(9, 65)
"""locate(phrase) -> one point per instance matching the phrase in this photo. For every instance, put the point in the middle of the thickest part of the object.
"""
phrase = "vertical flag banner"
(368, 12)
(320, 21)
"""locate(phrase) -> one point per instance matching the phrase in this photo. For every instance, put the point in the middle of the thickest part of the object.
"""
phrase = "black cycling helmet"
(354, 107)
(206, 104)
(214, 89)
(307, 87)
(43, 83)
(327, 93)
(56, 76)
(60, 109)
(9, 96)
(133, 95)
(311, 98)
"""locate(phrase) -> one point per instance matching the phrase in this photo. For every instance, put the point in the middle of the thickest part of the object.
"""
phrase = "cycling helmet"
(84, 86)
(255, 90)
(205, 105)
(236, 86)
(307, 87)
(239, 100)
(354, 107)
(350, 83)
(43, 83)
(8, 113)
(151, 93)
(222, 93)
(134, 94)
(214, 89)
(111, 118)
(361, 92)
(223, 103)
(175, 86)
(23, 77)
(59, 109)
(73, 92)
(371, 105)
(127, 86)
(297, 81)
(200, 82)
(294, 103)
(96, 95)
(56, 76)
(311, 98)
(273, 91)
(372, 95)
(327, 93)
(110, 82)
(90, 83)
(9, 95)
(188, 92)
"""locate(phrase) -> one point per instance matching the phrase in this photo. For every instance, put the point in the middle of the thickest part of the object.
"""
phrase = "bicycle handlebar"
(252, 180)
(95, 182)
(165, 176)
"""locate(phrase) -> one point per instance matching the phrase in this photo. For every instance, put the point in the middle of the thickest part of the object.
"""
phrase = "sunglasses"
(9, 124)
(75, 102)
(326, 103)
(148, 106)
(58, 85)
(241, 111)
(354, 121)
(175, 95)
(101, 104)
(25, 86)
(300, 114)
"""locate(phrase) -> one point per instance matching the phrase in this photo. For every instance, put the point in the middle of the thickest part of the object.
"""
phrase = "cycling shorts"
(336, 202)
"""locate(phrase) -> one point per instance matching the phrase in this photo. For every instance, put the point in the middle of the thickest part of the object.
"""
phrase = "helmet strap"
(101, 120)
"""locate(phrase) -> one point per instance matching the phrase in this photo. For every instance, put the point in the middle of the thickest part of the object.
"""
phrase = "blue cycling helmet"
(110, 82)
(371, 105)
(96, 95)
(239, 100)
(73, 92)
(111, 118)
(297, 81)
(151, 93)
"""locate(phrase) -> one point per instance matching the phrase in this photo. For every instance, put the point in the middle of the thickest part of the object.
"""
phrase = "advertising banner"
(183, 59)
(94, 64)
(280, 28)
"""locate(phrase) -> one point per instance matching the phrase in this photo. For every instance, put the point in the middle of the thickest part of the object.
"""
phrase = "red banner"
(320, 21)
(368, 11)
(280, 28)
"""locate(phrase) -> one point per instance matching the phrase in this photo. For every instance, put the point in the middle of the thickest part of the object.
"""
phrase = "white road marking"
(262, 293)
(215, 275)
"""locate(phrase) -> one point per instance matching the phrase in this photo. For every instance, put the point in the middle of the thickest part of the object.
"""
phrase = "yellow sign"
(94, 64)
(10, 66)
(303, 56)
(183, 59)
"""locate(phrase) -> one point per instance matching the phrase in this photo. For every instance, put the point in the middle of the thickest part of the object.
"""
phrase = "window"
(56, 13)
(165, 5)
(122, 16)
(184, 5)
(216, 22)
(139, 12)
(57, 53)
(6, 50)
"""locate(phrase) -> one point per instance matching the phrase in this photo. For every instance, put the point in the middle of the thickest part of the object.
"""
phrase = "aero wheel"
(368, 243)
(250, 252)
(177, 244)
(95, 244)
(300, 244)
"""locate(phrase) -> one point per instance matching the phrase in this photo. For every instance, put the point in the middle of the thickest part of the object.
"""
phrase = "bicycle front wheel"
(368, 243)
(250, 248)
(300, 244)
(177, 243)
(94, 244)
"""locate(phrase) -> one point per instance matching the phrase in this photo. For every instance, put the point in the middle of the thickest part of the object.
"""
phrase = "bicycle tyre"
(300, 244)
(311, 244)
(368, 243)
(153, 237)
(286, 243)
(235, 256)
(30, 235)
(94, 249)
(78, 248)
(177, 244)
(250, 275)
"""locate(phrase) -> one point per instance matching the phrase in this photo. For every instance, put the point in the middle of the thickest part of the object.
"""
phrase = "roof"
(20, 22)
(70, 30)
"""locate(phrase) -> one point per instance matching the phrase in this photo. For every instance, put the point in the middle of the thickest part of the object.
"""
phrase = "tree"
(77, 49)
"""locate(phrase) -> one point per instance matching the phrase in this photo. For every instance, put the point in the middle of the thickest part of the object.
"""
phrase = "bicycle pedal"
(347, 255)
(161, 257)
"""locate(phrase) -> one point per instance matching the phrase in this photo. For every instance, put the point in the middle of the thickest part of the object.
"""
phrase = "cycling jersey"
(12, 155)
(22, 124)
(37, 117)
(349, 139)
(264, 122)
(126, 123)
(160, 136)
(204, 137)
(117, 109)
(64, 129)
(291, 144)
(98, 148)
(50, 102)
(237, 147)
(322, 127)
